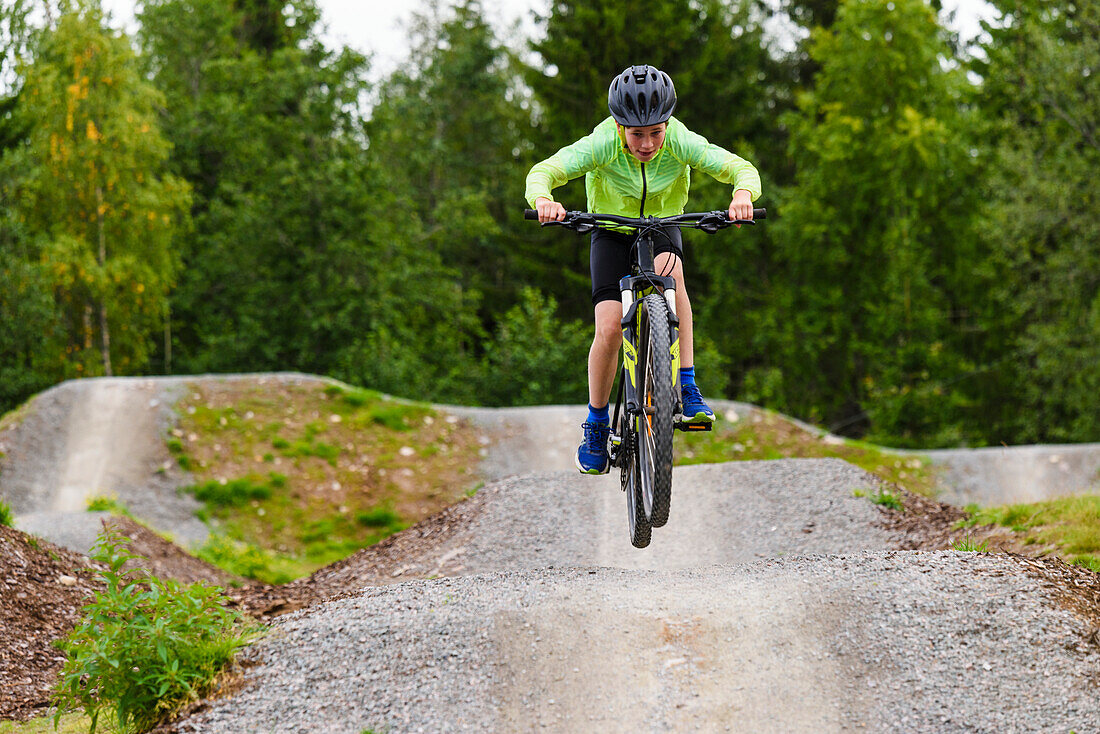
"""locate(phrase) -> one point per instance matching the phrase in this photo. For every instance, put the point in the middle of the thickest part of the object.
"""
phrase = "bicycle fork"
(634, 289)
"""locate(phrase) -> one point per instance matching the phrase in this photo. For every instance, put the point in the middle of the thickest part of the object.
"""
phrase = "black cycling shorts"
(611, 258)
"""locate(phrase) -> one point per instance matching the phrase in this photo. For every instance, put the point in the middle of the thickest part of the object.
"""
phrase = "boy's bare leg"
(603, 357)
(663, 265)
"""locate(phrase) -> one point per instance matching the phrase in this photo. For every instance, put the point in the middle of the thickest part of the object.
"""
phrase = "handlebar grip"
(759, 213)
(530, 214)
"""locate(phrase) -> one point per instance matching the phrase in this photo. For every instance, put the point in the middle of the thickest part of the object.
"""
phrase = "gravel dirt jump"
(775, 600)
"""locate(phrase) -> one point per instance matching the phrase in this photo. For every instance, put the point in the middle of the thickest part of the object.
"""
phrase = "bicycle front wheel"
(639, 526)
(654, 422)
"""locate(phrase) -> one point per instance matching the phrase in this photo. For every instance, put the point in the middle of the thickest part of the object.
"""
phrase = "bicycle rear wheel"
(654, 424)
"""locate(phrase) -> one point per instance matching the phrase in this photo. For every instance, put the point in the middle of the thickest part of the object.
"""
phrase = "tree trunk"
(104, 330)
(167, 337)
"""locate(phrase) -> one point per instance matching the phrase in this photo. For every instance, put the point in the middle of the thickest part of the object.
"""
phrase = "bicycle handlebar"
(706, 221)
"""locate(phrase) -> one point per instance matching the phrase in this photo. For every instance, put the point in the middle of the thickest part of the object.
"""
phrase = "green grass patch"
(967, 545)
(310, 447)
(236, 492)
(68, 724)
(7, 517)
(145, 646)
(103, 503)
(249, 560)
(1071, 524)
(394, 416)
(378, 517)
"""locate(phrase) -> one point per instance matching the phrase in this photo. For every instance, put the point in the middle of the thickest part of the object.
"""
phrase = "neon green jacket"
(618, 183)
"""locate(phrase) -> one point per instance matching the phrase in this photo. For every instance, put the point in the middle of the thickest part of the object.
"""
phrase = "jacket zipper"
(641, 213)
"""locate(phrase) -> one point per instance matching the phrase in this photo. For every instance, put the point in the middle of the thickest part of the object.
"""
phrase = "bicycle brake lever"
(582, 225)
(712, 222)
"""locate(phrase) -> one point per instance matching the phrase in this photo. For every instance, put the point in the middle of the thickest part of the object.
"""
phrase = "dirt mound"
(44, 588)
(166, 559)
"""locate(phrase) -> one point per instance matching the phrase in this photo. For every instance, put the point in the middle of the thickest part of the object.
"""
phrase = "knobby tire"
(640, 528)
(654, 434)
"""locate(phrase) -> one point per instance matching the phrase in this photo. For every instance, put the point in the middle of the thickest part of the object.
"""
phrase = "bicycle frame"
(633, 289)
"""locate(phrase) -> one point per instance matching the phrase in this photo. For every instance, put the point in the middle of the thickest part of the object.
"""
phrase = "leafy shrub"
(7, 517)
(536, 358)
(146, 646)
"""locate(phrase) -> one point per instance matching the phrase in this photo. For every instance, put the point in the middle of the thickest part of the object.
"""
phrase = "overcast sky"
(377, 26)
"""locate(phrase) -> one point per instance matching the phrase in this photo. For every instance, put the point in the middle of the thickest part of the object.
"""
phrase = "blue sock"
(598, 415)
(687, 376)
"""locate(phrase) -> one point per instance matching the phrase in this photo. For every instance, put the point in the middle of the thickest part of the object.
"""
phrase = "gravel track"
(895, 641)
(550, 620)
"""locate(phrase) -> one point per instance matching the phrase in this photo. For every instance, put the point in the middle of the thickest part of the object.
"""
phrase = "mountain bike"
(648, 405)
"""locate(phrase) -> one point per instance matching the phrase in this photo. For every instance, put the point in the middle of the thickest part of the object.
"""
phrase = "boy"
(636, 163)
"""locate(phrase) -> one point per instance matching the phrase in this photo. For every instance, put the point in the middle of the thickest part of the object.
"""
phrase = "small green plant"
(7, 517)
(967, 545)
(474, 489)
(859, 493)
(886, 498)
(145, 646)
(175, 445)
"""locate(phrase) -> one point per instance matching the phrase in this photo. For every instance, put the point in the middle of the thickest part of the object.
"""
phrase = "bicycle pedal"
(702, 426)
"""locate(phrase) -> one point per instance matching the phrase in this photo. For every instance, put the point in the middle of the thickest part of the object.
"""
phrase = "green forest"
(224, 191)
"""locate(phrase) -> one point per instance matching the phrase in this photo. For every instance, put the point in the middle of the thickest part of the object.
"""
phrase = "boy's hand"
(552, 211)
(741, 206)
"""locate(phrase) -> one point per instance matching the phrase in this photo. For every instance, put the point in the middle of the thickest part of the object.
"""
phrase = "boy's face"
(644, 142)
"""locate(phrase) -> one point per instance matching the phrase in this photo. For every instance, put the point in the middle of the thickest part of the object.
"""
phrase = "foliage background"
(224, 192)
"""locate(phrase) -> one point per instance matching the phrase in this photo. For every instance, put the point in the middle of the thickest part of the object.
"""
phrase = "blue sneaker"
(695, 410)
(592, 455)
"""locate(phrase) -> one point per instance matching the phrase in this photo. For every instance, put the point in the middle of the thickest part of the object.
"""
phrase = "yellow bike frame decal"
(674, 350)
(630, 360)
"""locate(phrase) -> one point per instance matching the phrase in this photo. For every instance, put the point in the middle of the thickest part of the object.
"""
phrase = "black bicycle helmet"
(641, 96)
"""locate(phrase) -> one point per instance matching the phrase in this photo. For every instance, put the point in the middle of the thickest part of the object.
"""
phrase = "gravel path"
(1010, 474)
(896, 641)
(550, 620)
